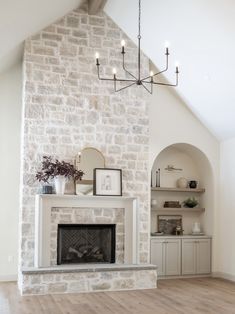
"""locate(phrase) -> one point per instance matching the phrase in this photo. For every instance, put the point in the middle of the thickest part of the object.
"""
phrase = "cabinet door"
(158, 255)
(203, 256)
(189, 257)
(173, 257)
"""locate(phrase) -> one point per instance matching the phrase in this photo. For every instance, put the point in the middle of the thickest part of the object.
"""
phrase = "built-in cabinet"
(181, 256)
(166, 254)
(196, 256)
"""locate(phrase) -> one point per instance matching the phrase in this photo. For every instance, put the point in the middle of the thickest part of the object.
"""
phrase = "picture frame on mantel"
(107, 182)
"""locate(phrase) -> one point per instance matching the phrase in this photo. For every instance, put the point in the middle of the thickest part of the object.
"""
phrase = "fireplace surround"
(118, 214)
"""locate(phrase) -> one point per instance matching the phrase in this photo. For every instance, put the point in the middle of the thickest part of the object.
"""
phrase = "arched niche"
(195, 166)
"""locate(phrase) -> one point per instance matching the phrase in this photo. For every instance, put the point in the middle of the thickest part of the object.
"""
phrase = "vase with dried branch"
(60, 171)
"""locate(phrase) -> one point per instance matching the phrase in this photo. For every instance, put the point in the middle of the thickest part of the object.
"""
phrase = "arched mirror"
(86, 160)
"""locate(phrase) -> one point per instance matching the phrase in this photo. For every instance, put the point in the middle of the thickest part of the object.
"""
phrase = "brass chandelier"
(146, 82)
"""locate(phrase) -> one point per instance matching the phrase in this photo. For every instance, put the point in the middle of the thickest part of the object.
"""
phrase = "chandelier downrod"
(146, 81)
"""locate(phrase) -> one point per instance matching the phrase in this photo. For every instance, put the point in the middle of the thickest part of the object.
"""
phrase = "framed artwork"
(168, 223)
(107, 182)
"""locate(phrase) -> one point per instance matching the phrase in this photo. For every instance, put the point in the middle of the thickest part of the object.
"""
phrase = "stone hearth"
(71, 279)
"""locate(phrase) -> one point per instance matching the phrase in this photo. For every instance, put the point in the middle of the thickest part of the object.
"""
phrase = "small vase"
(46, 189)
(182, 183)
(193, 184)
(60, 182)
(196, 228)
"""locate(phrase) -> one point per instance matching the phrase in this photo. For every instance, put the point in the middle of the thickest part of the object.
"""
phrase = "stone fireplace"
(86, 243)
(66, 108)
(66, 222)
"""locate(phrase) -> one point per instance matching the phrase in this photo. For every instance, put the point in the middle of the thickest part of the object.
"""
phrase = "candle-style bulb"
(177, 67)
(167, 44)
(114, 71)
(97, 58)
(151, 73)
(123, 46)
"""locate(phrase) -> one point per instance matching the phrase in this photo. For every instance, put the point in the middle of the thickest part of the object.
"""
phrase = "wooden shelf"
(165, 189)
(181, 209)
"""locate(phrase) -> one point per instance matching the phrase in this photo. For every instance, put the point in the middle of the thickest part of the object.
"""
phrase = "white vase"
(182, 183)
(196, 228)
(60, 182)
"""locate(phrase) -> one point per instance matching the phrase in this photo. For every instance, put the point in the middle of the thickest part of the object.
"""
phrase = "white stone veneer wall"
(66, 108)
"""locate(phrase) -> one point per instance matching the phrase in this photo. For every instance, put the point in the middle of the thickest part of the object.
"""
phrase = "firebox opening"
(86, 243)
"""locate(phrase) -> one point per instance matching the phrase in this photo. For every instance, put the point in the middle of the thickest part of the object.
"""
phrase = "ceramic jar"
(182, 183)
(196, 228)
(46, 189)
(193, 184)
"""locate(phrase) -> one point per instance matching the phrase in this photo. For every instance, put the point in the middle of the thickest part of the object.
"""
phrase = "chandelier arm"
(124, 67)
(148, 90)
(112, 79)
(118, 90)
(167, 84)
(160, 72)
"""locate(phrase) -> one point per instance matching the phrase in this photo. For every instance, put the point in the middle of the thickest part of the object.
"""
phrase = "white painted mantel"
(44, 204)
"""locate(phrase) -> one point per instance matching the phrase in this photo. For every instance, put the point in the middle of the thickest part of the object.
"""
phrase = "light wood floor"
(188, 296)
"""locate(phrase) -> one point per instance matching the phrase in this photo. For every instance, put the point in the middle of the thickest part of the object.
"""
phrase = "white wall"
(10, 118)
(171, 122)
(227, 210)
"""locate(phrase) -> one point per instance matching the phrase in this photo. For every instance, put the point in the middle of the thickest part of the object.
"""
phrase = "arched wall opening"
(195, 166)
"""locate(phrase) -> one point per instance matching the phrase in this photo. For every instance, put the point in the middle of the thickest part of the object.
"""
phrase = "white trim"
(44, 203)
(223, 276)
(184, 277)
(12, 277)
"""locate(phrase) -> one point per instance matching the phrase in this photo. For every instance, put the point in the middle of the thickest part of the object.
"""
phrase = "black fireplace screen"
(86, 244)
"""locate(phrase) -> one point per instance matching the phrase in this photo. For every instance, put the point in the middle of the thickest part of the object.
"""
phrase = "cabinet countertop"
(187, 236)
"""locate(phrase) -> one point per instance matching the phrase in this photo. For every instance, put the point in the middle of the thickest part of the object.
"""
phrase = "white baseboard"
(8, 277)
(183, 277)
(223, 276)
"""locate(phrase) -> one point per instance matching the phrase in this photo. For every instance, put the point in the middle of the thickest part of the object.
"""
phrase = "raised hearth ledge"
(87, 278)
(44, 203)
(81, 268)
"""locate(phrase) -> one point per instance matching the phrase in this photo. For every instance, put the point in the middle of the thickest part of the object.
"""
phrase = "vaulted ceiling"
(200, 33)
(201, 36)
(21, 19)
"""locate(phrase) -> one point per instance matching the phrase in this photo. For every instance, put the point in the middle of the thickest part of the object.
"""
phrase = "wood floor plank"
(181, 296)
